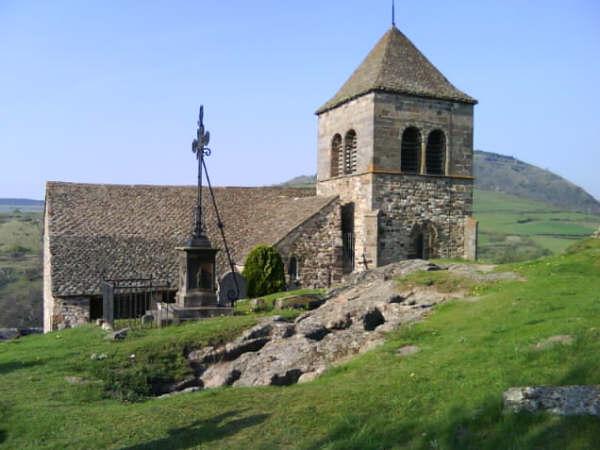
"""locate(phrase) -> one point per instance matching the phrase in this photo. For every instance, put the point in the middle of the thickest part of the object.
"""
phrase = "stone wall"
(388, 203)
(394, 113)
(356, 115)
(439, 204)
(317, 245)
(70, 312)
(48, 297)
(356, 189)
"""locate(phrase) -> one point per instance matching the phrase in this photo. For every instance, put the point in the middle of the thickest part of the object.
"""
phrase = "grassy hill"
(447, 396)
(508, 175)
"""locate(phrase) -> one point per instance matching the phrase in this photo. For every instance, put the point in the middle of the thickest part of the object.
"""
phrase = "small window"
(350, 152)
(293, 269)
(410, 153)
(436, 153)
(337, 157)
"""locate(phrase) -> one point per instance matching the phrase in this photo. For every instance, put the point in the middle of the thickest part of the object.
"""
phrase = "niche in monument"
(197, 276)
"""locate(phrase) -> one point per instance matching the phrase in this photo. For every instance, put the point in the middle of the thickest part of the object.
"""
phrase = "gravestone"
(228, 290)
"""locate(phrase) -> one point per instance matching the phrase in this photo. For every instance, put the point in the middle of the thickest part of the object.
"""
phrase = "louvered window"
(435, 153)
(350, 152)
(410, 153)
(337, 156)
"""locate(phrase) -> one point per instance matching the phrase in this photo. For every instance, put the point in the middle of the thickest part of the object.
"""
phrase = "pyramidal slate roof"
(121, 231)
(396, 65)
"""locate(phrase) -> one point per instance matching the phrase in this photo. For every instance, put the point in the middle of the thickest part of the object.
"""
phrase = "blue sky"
(108, 91)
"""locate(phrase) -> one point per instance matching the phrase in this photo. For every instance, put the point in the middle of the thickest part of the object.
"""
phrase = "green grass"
(447, 396)
(517, 229)
(444, 281)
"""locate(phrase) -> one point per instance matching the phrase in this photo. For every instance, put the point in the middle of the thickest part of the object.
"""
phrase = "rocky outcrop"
(596, 235)
(353, 319)
(560, 400)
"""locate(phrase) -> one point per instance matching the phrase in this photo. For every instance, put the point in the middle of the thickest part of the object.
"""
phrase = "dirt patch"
(561, 339)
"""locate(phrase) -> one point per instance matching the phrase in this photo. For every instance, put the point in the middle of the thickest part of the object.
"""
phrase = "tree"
(264, 271)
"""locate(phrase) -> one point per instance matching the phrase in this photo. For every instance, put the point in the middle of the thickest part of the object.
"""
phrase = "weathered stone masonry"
(317, 245)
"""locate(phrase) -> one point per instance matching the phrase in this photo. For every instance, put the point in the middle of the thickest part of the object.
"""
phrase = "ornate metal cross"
(199, 147)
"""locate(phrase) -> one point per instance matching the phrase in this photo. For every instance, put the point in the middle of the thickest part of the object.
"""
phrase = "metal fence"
(136, 302)
(348, 251)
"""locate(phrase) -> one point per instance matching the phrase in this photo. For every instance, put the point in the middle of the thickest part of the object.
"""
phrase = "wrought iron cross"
(365, 262)
(199, 147)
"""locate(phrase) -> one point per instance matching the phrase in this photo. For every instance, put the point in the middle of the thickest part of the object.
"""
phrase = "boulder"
(9, 333)
(560, 400)
(118, 335)
(306, 301)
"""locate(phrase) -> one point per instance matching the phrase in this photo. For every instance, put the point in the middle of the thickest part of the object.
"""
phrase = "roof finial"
(393, 13)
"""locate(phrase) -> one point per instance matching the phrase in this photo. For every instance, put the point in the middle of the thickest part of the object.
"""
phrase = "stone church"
(394, 181)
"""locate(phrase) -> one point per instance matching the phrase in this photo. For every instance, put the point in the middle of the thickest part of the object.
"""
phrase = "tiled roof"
(121, 231)
(396, 65)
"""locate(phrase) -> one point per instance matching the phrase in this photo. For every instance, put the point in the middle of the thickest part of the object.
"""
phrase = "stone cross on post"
(199, 147)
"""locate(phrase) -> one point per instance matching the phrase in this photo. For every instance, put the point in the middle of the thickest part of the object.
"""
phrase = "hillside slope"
(499, 173)
(447, 395)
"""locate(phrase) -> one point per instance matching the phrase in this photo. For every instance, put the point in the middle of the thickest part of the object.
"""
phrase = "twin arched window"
(344, 155)
(435, 155)
(410, 156)
(435, 152)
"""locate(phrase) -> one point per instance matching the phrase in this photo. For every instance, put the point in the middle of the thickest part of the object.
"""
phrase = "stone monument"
(197, 295)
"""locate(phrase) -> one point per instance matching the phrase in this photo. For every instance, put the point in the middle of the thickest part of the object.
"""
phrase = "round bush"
(264, 271)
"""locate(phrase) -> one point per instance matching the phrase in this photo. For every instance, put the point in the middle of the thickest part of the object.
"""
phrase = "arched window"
(350, 154)
(435, 154)
(410, 152)
(337, 156)
(293, 269)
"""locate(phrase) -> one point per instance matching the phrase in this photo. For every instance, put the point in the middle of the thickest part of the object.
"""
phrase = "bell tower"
(395, 143)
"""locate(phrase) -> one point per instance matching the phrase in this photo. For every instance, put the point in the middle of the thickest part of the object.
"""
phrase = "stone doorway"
(423, 242)
(348, 237)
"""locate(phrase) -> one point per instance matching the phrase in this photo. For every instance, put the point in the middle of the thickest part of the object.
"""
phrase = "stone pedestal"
(197, 285)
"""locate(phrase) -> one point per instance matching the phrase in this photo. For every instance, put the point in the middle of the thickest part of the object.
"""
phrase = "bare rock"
(353, 319)
(309, 301)
(560, 400)
(311, 376)
(407, 350)
(561, 339)
(185, 384)
(9, 333)
(75, 380)
(118, 335)
(184, 391)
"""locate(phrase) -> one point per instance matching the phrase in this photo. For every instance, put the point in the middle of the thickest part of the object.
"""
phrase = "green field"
(447, 396)
(20, 269)
(516, 229)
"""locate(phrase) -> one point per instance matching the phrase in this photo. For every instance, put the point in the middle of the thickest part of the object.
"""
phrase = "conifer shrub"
(264, 271)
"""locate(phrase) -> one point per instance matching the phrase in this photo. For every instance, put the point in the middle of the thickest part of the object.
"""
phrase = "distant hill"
(508, 175)
(24, 204)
